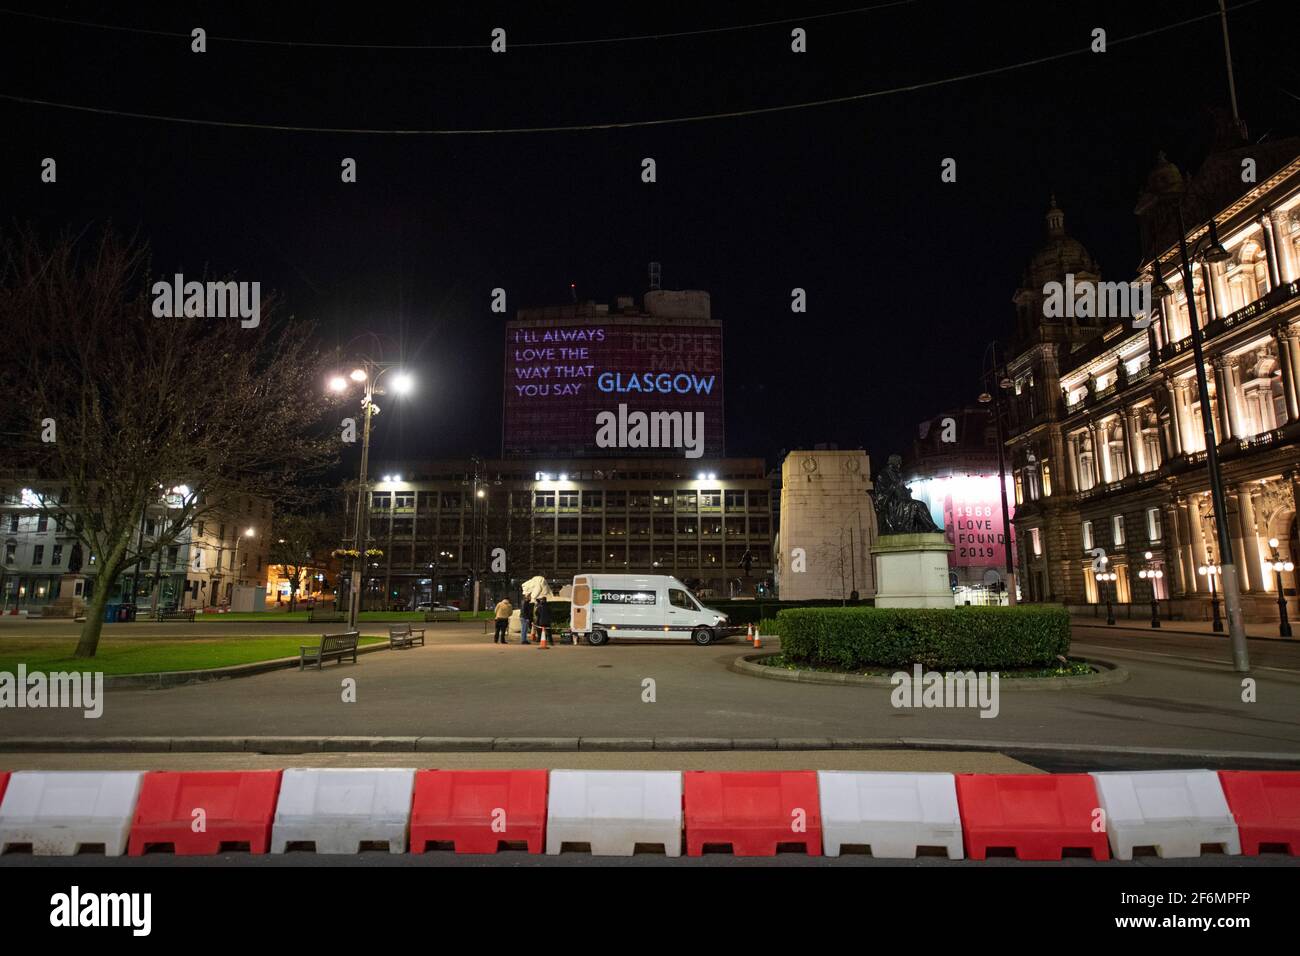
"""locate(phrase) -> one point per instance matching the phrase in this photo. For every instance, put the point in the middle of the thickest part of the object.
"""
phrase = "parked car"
(427, 606)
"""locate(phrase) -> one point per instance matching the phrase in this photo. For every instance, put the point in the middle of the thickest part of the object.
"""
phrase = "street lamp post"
(997, 385)
(1169, 187)
(1212, 571)
(368, 376)
(1278, 566)
(1152, 574)
(234, 562)
(1109, 577)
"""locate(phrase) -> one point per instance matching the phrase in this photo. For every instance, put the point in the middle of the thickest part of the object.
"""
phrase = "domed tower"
(1059, 255)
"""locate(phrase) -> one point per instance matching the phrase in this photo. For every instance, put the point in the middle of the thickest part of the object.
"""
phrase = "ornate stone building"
(1105, 436)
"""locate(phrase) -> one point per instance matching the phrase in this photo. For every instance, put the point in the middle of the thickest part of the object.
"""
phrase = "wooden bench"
(174, 614)
(403, 635)
(325, 617)
(331, 645)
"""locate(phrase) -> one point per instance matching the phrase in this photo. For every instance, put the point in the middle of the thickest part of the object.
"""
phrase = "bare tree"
(135, 415)
(301, 545)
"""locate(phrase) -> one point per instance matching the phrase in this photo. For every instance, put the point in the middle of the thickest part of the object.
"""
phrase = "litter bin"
(111, 613)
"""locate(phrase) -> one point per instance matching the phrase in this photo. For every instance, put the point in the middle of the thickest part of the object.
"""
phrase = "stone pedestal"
(912, 571)
(71, 602)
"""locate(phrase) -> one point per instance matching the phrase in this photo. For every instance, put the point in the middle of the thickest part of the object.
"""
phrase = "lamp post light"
(998, 384)
(1109, 577)
(1152, 574)
(234, 561)
(1278, 566)
(1166, 185)
(1212, 571)
(367, 375)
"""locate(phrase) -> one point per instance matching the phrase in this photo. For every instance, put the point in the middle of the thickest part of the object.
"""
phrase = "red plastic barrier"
(754, 812)
(238, 807)
(478, 810)
(1038, 815)
(1266, 806)
(4, 782)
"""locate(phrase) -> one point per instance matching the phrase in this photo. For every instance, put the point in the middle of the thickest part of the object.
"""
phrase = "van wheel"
(702, 636)
(597, 638)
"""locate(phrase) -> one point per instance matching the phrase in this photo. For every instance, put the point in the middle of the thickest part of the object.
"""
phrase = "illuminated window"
(1047, 480)
(1087, 536)
(1117, 529)
(1037, 542)
(1153, 524)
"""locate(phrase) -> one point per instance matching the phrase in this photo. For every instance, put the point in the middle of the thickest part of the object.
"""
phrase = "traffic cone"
(542, 644)
(758, 638)
(749, 634)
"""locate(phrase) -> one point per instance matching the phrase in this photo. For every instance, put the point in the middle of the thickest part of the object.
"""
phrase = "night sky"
(907, 277)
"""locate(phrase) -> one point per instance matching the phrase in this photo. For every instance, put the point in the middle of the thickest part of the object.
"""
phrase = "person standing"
(543, 616)
(525, 620)
(502, 620)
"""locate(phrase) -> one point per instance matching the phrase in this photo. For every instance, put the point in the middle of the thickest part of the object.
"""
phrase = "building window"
(1047, 480)
(13, 524)
(404, 500)
(1117, 530)
(38, 554)
(56, 556)
(1087, 536)
(379, 501)
(1020, 489)
(42, 523)
(735, 500)
(1154, 531)
(544, 501)
(172, 554)
(1036, 540)
(686, 501)
(568, 500)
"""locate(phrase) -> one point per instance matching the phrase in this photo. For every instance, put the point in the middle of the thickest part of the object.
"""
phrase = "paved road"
(1182, 694)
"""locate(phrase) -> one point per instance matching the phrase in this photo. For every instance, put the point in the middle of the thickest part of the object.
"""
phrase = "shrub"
(751, 612)
(982, 638)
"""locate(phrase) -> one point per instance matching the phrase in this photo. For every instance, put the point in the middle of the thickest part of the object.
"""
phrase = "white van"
(643, 606)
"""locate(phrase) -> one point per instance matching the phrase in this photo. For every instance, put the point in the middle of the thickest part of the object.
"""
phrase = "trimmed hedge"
(752, 612)
(980, 638)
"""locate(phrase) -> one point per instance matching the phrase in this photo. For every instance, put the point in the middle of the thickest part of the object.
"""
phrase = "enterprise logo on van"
(599, 596)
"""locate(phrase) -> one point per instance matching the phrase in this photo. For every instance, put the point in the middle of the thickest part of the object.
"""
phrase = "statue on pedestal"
(897, 512)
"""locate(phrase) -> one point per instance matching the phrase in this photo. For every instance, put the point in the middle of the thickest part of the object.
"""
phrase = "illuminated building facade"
(1106, 441)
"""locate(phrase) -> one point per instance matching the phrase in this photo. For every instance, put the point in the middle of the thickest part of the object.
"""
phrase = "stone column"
(1288, 354)
(1232, 373)
(1249, 534)
(1176, 563)
(1133, 436)
(1220, 287)
(1285, 250)
(1212, 300)
(1100, 453)
(1175, 420)
(1270, 251)
(1221, 391)
(1197, 532)
(1245, 572)
(1072, 464)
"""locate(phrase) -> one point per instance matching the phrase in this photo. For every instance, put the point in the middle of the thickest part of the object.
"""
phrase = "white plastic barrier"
(338, 810)
(893, 813)
(1175, 811)
(614, 810)
(58, 812)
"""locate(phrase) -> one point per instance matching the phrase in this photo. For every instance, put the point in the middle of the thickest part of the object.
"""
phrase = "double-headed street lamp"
(1278, 566)
(1212, 571)
(1108, 577)
(367, 375)
(1166, 186)
(1151, 573)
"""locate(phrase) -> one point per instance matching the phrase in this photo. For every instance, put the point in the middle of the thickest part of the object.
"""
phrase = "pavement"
(1182, 699)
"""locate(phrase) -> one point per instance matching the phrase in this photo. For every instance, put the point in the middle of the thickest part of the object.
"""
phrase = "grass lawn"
(301, 616)
(147, 656)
